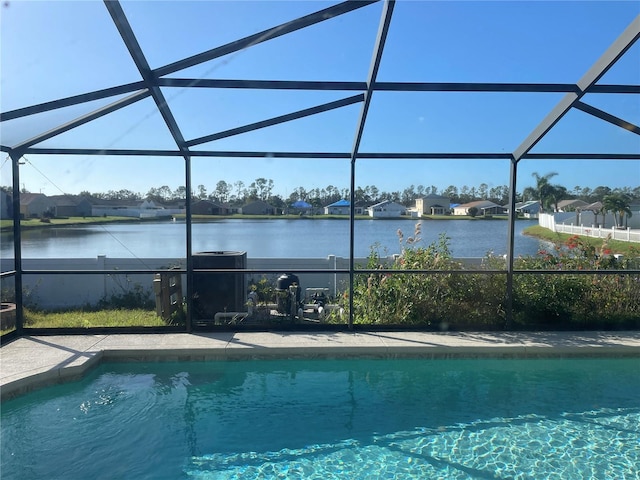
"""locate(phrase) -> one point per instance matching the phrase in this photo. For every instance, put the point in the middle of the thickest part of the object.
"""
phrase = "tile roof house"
(71, 206)
(529, 209)
(593, 207)
(258, 208)
(207, 207)
(433, 204)
(485, 207)
(571, 205)
(35, 205)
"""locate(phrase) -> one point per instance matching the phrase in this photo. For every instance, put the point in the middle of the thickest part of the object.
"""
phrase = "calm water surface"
(297, 238)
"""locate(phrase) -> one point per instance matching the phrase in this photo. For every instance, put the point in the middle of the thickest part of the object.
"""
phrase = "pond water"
(276, 238)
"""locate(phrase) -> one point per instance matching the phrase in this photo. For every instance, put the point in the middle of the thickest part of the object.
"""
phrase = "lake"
(268, 238)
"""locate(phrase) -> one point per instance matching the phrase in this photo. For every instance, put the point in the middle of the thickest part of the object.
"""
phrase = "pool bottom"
(598, 444)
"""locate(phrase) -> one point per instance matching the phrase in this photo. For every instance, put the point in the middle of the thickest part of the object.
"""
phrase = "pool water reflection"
(411, 418)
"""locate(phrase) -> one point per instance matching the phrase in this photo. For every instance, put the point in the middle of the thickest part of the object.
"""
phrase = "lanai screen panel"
(315, 102)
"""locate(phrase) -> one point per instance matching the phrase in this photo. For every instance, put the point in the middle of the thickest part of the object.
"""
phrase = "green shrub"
(579, 300)
(441, 297)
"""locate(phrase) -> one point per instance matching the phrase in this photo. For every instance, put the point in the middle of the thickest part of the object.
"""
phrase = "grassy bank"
(616, 246)
(7, 225)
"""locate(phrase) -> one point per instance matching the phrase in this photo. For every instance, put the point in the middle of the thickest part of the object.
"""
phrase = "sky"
(53, 49)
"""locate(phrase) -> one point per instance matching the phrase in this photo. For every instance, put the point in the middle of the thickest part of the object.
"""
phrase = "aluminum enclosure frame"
(153, 79)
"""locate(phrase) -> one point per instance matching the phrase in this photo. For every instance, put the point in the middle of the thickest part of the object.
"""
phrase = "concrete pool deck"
(36, 361)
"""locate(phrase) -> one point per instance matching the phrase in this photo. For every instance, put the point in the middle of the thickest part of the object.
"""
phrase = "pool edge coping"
(233, 349)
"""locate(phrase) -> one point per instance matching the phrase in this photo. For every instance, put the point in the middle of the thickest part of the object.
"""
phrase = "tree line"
(238, 193)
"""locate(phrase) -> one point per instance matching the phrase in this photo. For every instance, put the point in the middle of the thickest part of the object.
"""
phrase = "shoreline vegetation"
(616, 246)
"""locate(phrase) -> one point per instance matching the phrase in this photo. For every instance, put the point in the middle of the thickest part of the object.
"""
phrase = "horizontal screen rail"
(344, 271)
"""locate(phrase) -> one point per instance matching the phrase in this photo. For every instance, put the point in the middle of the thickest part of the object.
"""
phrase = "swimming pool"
(330, 419)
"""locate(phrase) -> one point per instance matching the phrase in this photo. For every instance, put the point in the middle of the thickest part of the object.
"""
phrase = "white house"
(387, 209)
(123, 208)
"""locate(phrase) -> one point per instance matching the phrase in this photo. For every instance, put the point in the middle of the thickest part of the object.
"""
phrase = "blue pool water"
(332, 419)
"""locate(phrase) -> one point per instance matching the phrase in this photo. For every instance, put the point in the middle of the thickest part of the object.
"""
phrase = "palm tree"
(543, 189)
(598, 209)
(556, 193)
(617, 204)
(603, 212)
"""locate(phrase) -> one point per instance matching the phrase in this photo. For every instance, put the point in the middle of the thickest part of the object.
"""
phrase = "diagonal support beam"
(276, 120)
(150, 79)
(604, 63)
(265, 35)
(82, 120)
(607, 117)
(69, 101)
(383, 30)
(131, 42)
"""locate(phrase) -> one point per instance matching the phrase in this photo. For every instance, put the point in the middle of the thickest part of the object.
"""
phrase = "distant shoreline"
(6, 226)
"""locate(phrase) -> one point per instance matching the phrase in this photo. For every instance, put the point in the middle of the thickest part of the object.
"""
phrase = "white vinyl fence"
(62, 290)
(67, 290)
(561, 223)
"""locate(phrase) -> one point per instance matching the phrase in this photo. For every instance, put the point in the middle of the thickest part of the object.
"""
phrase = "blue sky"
(53, 49)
